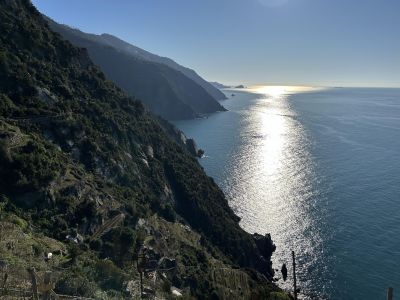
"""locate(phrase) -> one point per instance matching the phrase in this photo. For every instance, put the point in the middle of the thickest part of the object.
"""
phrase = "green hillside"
(86, 168)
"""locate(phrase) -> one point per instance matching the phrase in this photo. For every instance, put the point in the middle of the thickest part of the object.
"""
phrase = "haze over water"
(319, 170)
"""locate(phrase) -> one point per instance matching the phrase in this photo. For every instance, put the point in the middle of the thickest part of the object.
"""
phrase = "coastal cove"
(318, 169)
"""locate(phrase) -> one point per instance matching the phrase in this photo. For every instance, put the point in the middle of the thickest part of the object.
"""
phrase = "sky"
(277, 42)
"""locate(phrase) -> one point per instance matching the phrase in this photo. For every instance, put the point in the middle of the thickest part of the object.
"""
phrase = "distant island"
(240, 86)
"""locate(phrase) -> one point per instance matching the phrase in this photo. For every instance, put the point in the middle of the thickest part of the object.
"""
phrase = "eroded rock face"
(264, 244)
(46, 96)
(191, 146)
(193, 149)
(265, 247)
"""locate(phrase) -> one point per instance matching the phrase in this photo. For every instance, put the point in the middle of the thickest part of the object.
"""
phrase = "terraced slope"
(76, 151)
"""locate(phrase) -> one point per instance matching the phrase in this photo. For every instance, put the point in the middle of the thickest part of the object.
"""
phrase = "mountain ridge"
(165, 91)
(123, 45)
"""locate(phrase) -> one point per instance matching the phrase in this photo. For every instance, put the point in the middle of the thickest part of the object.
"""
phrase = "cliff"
(165, 91)
(87, 175)
(145, 55)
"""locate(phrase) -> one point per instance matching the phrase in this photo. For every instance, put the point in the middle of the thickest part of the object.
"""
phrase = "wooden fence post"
(47, 285)
(34, 283)
(390, 294)
(4, 284)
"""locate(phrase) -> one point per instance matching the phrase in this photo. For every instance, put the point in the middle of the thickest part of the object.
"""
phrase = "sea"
(318, 169)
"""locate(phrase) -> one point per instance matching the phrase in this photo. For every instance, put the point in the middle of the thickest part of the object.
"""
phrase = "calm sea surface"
(319, 170)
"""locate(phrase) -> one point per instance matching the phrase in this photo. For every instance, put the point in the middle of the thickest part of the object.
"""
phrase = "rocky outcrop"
(179, 137)
(193, 149)
(265, 247)
(264, 244)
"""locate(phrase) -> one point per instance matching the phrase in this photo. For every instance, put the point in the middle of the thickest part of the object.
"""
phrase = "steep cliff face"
(145, 55)
(165, 91)
(83, 163)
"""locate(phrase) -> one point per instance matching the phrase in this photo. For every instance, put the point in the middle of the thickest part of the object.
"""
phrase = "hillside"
(219, 85)
(88, 175)
(147, 56)
(165, 91)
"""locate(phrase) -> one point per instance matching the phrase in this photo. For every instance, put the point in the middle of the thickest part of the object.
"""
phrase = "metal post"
(294, 276)
(390, 294)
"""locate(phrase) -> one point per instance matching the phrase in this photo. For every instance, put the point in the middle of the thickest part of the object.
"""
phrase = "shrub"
(109, 275)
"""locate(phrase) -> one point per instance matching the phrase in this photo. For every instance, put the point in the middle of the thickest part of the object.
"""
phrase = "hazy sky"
(314, 42)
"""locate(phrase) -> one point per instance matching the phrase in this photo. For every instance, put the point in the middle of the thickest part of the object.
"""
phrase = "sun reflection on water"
(271, 187)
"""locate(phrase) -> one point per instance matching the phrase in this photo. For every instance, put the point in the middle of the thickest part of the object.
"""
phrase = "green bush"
(20, 222)
(75, 284)
(109, 275)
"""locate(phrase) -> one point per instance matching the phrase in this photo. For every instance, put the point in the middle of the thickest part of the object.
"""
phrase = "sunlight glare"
(278, 90)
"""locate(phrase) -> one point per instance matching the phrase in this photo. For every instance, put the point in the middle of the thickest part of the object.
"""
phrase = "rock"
(45, 95)
(133, 288)
(191, 146)
(264, 244)
(176, 292)
(167, 195)
(79, 238)
(128, 155)
(193, 149)
(70, 238)
(150, 152)
(284, 272)
(142, 223)
(182, 137)
(145, 162)
(200, 153)
(148, 292)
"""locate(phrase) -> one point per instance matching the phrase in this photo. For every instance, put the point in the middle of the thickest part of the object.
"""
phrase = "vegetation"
(76, 151)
